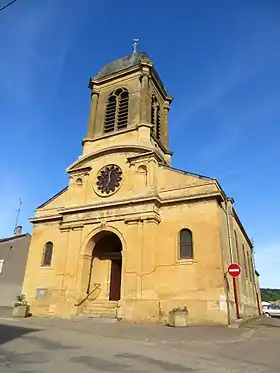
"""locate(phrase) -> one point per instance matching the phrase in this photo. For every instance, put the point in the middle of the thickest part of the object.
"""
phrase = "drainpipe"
(229, 231)
(226, 287)
(231, 256)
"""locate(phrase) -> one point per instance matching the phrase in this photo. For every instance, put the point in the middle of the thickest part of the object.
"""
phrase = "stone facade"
(110, 242)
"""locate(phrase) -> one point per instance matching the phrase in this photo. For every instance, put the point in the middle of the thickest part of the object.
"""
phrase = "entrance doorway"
(115, 279)
(108, 247)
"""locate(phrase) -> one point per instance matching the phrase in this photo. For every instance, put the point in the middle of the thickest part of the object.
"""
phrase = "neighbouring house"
(13, 258)
(131, 235)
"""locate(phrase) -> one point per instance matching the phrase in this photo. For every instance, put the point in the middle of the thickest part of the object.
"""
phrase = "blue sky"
(220, 59)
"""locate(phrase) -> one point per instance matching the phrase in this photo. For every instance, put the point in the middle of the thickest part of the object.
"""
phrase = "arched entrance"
(106, 263)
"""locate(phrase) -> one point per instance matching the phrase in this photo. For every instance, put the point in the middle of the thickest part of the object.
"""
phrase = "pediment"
(84, 161)
(55, 201)
(176, 178)
(175, 183)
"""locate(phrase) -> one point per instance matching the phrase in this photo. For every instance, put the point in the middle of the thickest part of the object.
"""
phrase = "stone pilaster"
(164, 127)
(92, 114)
(145, 101)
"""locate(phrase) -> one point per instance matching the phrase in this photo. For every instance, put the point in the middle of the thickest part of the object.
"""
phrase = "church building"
(131, 236)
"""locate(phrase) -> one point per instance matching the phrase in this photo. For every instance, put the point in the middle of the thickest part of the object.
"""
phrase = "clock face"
(109, 179)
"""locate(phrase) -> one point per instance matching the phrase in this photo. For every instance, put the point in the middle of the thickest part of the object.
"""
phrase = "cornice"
(111, 149)
(107, 135)
(213, 195)
(160, 85)
(243, 230)
(146, 155)
(103, 206)
(99, 81)
(40, 219)
(154, 218)
(84, 170)
(165, 151)
(157, 200)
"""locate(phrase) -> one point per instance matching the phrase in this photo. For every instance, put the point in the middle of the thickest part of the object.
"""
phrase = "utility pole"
(18, 212)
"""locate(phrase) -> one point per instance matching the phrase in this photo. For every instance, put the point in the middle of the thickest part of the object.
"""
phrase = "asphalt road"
(44, 346)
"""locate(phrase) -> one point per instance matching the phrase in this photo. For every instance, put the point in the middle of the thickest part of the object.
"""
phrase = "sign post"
(234, 270)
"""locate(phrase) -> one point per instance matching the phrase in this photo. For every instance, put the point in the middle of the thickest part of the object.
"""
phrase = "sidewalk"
(202, 335)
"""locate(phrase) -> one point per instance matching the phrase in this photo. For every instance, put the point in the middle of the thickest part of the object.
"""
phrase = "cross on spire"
(135, 44)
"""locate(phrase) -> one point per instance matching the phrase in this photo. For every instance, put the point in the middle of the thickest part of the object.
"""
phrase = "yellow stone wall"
(154, 280)
(246, 282)
(246, 288)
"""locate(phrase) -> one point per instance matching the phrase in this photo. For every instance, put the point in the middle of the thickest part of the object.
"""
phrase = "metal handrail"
(97, 286)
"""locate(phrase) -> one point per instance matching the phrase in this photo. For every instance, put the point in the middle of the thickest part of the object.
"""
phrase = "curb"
(243, 322)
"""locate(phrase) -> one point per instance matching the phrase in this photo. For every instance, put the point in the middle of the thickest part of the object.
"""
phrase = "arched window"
(116, 115)
(47, 254)
(155, 117)
(185, 244)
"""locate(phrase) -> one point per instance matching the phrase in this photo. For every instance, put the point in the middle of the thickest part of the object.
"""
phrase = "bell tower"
(129, 106)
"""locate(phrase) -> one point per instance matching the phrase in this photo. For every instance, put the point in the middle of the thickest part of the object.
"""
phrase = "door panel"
(115, 280)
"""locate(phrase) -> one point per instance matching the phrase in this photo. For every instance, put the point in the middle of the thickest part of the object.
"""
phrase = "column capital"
(166, 106)
(95, 92)
(92, 114)
(145, 72)
(167, 102)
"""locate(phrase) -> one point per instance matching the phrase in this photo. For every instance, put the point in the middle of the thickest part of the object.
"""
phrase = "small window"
(185, 244)
(1, 265)
(47, 254)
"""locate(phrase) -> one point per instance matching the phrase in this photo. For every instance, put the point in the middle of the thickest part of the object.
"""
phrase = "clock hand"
(109, 178)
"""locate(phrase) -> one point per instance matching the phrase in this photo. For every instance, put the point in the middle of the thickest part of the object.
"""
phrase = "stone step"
(100, 307)
(102, 303)
(99, 310)
(96, 317)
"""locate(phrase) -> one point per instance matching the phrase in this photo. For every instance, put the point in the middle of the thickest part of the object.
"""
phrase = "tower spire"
(135, 44)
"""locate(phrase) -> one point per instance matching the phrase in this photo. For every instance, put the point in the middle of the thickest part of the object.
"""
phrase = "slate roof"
(14, 237)
(122, 64)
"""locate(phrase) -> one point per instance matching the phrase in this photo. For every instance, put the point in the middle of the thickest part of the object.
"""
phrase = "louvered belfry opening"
(155, 117)
(110, 116)
(116, 116)
(123, 110)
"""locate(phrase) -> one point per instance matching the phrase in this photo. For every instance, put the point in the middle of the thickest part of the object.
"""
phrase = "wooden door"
(115, 280)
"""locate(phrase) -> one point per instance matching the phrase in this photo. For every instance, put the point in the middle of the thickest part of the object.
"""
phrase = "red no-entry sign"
(234, 270)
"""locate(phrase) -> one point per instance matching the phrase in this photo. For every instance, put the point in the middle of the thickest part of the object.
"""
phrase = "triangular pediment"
(175, 184)
(55, 201)
(85, 160)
